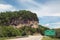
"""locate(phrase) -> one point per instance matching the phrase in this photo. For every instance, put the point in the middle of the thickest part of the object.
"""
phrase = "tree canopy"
(7, 18)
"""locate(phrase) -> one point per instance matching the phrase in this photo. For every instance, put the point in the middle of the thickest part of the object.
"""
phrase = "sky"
(48, 11)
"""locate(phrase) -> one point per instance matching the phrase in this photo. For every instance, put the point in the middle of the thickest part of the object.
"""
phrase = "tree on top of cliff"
(6, 18)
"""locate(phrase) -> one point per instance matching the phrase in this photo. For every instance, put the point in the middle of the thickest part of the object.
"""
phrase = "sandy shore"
(38, 37)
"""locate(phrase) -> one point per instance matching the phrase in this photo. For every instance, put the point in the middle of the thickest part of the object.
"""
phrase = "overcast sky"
(48, 11)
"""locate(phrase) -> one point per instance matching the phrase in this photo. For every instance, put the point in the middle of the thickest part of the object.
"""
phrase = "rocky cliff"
(19, 19)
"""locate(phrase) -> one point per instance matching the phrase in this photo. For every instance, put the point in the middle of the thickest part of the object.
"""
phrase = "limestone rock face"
(33, 24)
(19, 19)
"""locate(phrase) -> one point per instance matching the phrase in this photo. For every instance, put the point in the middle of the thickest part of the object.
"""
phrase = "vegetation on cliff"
(10, 31)
(14, 18)
(7, 19)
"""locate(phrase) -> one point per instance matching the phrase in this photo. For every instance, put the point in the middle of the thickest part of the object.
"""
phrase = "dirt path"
(39, 37)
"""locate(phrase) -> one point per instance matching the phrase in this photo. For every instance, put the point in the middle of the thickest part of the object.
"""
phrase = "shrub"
(9, 31)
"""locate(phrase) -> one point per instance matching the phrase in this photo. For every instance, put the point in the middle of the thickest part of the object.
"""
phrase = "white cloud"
(56, 23)
(46, 24)
(57, 27)
(50, 8)
(52, 25)
(6, 7)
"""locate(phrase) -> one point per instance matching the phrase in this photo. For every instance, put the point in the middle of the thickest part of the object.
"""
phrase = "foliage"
(2, 38)
(57, 33)
(49, 38)
(41, 29)
(14, 18)
(8, 31)
(26, 30)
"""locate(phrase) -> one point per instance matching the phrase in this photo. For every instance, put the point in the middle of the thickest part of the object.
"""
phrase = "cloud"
(6, 7)
(49, 8)
(56, 25)
(50, 21)
(46, 25)
(52, 25)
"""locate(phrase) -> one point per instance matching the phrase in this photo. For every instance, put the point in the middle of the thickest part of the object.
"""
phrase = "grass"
(2, 39)
(5, 38)
(49, 38)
